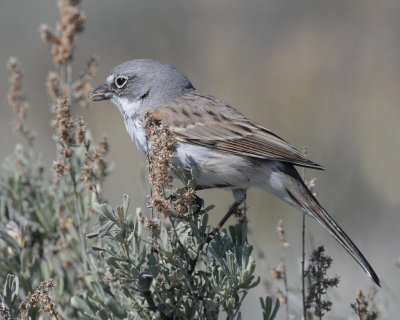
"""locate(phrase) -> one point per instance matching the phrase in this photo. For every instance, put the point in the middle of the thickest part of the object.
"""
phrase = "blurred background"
(321, 74)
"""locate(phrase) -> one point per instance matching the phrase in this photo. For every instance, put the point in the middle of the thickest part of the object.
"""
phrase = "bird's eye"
(120, 81)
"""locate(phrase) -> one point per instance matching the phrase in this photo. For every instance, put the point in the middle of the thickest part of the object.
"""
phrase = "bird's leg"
(231, 210)
(218, 227)
(239, 196)
(211, 235)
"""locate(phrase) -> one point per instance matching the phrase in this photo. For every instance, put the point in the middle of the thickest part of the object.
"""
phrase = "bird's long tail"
(300, 197)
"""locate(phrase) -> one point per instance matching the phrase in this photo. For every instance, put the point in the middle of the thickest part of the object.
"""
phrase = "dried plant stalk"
(40, 298)
(362, 305)
(319, 265)
(160, 150)
(279, 272)
(70, 24)
(17, 100)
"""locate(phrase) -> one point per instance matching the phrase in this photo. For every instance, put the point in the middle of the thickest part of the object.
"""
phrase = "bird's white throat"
(127, 107)
(133, 124)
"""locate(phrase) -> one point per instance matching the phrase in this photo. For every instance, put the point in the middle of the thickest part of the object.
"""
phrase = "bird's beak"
(100, 93)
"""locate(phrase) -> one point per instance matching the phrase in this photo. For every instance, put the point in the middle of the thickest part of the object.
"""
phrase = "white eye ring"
(120, 81)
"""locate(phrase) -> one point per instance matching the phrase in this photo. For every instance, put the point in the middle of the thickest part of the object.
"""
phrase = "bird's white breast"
(137, 133)
(130, 112)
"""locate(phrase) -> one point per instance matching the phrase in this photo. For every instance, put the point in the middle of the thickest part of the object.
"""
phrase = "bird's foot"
(203, 247)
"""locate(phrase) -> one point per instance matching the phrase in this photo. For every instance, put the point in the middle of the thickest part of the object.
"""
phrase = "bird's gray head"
(142, 84)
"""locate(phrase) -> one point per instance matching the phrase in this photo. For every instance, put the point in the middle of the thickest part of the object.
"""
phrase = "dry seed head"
(17, 100)
(67, 153)
(48, 35)
(181, 209)
(360, 296)
(5, 312)
(101, 167)
(360, 307)
(24, 315)
(41, 297)
(60, 167)
(18, 126)
(63, 223)
(71, 18)
(95, 170)
(371, 293)
(151, 224)
(66, 124)
(184, 202)
(103, 147)
(281, 296)
(311, 185)
(62, 116)
(98, 157)
(319, 264)
(62, 134)
(70, 23)
(305, 151)
(277, 272)
(161, 143)
(53, 86)
(87, 173)
(80, 130)
(162, 206)
(281, 234)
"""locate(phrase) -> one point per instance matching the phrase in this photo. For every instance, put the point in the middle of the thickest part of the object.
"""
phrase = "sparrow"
(227, 149)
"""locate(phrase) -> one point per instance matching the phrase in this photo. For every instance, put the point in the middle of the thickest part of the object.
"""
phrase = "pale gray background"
(321, 73)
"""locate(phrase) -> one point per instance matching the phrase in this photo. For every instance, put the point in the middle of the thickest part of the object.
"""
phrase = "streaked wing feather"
(214, 124)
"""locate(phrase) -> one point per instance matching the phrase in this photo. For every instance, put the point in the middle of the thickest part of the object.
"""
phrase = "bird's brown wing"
(206, 121)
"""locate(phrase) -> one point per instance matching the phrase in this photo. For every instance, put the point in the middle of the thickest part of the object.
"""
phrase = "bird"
(227, 149)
